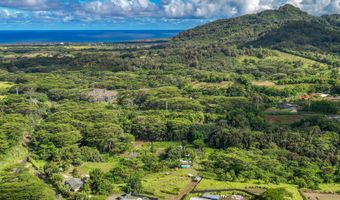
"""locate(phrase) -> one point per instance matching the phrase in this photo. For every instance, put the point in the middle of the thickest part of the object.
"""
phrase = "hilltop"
(287, 27)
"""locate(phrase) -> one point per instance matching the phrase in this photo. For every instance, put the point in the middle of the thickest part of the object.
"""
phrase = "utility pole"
(166, 110)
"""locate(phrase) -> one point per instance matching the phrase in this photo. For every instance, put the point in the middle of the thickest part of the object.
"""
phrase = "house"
(291, 107)
(130, 196)
(211, 196)
(185, 164)
(197, 198)
(75, 184)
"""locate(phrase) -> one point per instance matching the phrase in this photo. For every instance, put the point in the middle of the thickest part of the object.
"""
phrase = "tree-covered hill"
(333, 19)
(287, 27)
(302, 35)
(245, 28)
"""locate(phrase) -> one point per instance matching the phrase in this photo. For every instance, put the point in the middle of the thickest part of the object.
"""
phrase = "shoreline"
(146, 41)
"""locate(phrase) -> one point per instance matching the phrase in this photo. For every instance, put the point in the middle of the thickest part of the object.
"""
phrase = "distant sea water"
(82, 36)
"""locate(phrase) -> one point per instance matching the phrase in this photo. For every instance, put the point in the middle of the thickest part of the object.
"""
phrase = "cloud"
(318, 7)
(30, 4)
(139, 10)
(209, 8)
(111, 8)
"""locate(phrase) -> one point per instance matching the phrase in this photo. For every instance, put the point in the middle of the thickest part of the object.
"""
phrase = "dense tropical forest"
(250, 103)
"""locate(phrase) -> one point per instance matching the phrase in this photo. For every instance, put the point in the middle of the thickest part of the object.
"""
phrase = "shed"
(287, 105)
(292, 107)
(74, 183)
(197, 179)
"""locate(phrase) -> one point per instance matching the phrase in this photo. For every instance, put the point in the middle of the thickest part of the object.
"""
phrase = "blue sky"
(138, 14)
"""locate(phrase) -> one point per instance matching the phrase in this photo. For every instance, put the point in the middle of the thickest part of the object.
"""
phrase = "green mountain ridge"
(287, 27)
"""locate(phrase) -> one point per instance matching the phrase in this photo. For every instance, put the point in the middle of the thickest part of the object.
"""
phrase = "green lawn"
(214, 184)
(86, 167)
(167, 186)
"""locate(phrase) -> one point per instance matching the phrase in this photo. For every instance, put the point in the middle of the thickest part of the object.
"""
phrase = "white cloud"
(112, 10)
(29, 4)
(119, 8)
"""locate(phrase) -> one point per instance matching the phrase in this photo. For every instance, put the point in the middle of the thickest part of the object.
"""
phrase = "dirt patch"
(283, 119)
(102, 95)
(321, 196)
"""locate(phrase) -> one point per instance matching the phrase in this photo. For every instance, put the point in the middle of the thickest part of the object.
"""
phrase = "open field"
(167, 185)
(286, 118)
(280, 56)
(283, 119)
(204, 85)
(268, 84)
(86, 167)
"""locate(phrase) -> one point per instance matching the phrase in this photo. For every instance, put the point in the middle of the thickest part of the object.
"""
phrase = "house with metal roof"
(75, 184)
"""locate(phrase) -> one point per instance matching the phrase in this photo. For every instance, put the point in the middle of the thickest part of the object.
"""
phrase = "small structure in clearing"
(184, 164)
(293, 108)
(75, 184)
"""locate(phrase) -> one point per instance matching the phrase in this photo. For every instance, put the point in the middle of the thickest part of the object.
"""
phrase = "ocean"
(82, 36)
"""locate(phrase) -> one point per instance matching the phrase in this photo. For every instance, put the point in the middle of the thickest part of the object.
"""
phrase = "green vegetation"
(239, 102)
(20, 184)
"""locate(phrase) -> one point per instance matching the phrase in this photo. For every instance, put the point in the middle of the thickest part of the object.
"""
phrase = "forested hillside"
(250, 103)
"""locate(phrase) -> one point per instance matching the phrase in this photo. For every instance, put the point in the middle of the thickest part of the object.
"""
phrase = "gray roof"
(74, 183)
(287, 105)
(211, 196)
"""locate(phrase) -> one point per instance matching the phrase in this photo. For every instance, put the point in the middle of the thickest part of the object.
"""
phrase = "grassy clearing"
(286, 118)
(268, 84)
(213, 184)
(86, 167)
(167, 186)
(283, 57)
(283, 119)
(200, 85)
(15, 156)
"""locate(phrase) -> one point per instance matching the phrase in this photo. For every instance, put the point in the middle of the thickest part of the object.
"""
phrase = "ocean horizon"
(81, 36)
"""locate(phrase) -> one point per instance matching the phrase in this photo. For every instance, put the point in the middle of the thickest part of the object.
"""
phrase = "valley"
(245, 106)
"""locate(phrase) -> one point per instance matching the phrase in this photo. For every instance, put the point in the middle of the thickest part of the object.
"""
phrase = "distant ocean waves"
(82, 36)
